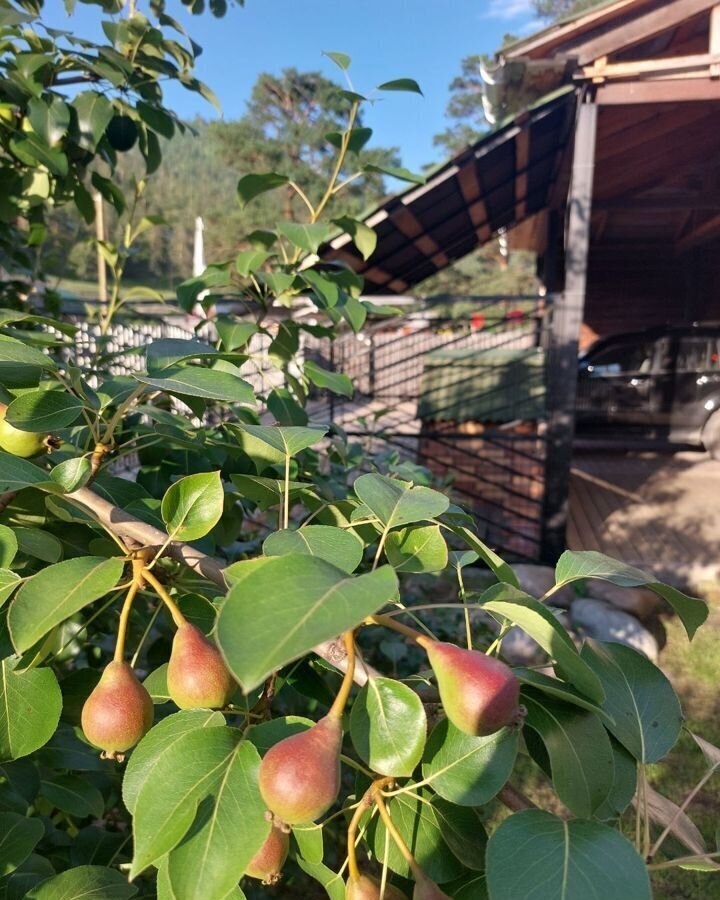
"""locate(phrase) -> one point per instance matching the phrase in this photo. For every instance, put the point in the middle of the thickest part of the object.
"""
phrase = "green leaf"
(462, 831)
(8, 582)
(285, 440)
(168, 352)
(49, 118)
(364, 237)
(234, 334)
(285, 408)
(565, 860)
(396, 172)
(72, 474)
(560, 690)
(8, 546)
(17, 473)
(502, 571)
(342, 60)
(249, 261)
(148, 753)
(305, 601)
(39, 543)
(574, 565)
(333, 381)
(306, 237)
(465, 769)
(18, 837)
(85, 883)
(422, 829)
(55, 593)
(396, 503)
(229, 829)
(20, 363)
(251, 186)
(44, 411)
(33, 151)
(332, 882)
(193, 506)
(536, 620)
(208, 384)
(310, 843)
(94, 112)
(644, 707)
(356, 140)
(624, 784)
(418, 548)
(187, 771)
(578, 749)
(156, 118)
(401, 84)
(388, 727)
(74, 795)
(267, 492)
(30, 705)
(335, 545)
(110, 192)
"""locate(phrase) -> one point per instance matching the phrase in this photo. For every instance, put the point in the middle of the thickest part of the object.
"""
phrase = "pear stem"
(353, 869)
(396, 836)
(177, 617)
(136, 585)
(388, 622)
(336, 710)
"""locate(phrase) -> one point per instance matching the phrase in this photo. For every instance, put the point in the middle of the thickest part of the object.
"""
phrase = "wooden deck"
(658, 512)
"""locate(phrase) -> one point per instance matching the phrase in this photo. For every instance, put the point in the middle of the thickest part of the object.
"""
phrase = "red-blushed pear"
(366, 888)
(197, 676)
(300, 775)
(118, 712)
(479, 693)
(267, 863)
(426, 889)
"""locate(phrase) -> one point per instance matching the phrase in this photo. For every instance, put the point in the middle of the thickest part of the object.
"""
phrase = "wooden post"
(100, 235)
(562, 367)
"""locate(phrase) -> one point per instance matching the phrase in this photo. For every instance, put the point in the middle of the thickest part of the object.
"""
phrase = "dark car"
(663, 383)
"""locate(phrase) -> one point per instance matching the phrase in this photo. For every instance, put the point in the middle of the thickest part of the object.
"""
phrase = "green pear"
(300, 775)
(480, 694)
(197, 676)
(367, 888)
(17, 442)
(267, 863)
(118, 712)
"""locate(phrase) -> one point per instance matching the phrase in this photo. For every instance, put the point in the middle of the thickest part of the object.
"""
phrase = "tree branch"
(128, 527)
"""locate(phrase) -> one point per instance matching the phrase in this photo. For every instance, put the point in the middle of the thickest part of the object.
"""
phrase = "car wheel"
(711, 435)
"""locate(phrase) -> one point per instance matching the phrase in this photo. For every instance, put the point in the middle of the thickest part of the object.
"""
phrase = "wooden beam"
(472, 194)
(683, 200)
(700, 234)
(631, 31)
(522, 160)
(665, 91)
(567, 316)
(604, 70)
(406, 222)
(664, 123)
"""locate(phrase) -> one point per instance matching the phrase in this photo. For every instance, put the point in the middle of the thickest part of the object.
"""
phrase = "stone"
(537, 580)
(599, 620)
(637, 601)
(519, 649)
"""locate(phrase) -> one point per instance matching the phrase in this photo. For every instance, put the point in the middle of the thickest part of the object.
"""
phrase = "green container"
(483, 386)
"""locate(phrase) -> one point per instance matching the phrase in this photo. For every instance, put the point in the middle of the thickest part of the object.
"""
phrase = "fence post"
(567, 316)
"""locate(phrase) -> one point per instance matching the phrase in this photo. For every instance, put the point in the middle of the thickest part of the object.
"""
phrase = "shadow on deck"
(658, 512)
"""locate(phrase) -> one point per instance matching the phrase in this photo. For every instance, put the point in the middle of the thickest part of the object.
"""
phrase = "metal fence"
(463, 395)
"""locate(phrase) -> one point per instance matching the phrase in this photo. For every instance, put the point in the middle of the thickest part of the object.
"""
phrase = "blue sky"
(421, 39)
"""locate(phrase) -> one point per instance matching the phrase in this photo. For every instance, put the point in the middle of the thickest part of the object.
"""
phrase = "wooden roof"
(502, 180)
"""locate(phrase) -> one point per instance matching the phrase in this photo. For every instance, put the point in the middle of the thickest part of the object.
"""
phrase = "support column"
(567, 317)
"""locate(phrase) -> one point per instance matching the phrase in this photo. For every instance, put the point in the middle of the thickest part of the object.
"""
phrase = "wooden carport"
(613, 178)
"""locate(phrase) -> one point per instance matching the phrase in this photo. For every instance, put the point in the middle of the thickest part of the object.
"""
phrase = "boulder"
(599, 620)
(519, 649)
(537, 580)
(637, 601)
